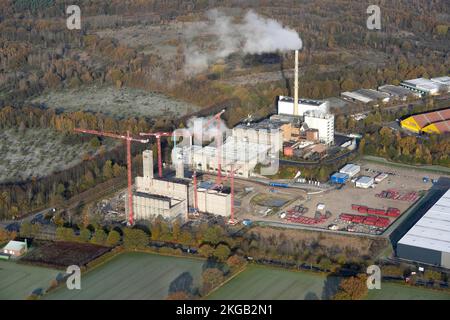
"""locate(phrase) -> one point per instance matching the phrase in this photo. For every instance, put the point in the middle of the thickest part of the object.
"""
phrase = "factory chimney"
(296, 84)
(147, 163)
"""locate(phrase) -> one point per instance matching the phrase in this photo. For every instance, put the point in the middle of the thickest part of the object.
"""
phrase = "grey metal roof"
(302, 101)
(265, 124)
(395, 90)
(432, 231)
(372, 94)
(364, 179)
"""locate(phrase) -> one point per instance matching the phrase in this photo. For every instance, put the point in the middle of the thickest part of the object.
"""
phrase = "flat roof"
(336, 102)
(350, 166)
(174, 179)
(15, 245)
(422, 83)
(151, 196)
(432, 231)
(340, 175)
(265, 124)
(365, 179)
(372, 94)
(356, 96)
(395, 90)
(442, 80)
(302, 101)
(318, 114)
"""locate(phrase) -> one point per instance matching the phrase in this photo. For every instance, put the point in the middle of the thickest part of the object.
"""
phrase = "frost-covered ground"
(119, 103)
(39, 152)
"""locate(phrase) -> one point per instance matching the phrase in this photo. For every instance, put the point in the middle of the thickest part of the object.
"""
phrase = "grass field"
(391, 291)
(132, 276)
(259, 283)
(18, 281)
(263, 283)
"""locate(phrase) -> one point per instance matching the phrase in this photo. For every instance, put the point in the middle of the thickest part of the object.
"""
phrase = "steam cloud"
(255, 35)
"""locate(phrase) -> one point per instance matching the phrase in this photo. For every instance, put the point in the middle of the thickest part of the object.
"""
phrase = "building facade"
(324, 123)
(428, 241)
(286, 106)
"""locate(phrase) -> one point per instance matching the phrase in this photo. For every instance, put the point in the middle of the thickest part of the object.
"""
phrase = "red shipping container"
(362, 209)
(355, 206)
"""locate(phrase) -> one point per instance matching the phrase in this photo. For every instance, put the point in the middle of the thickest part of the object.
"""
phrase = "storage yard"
(363, 210)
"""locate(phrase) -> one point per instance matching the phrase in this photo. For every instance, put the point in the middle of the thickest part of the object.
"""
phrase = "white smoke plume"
(254, 35)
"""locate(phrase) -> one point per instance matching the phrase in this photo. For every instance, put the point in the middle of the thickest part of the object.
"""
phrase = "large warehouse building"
(421, 85)
(429, 122)
(428, 241)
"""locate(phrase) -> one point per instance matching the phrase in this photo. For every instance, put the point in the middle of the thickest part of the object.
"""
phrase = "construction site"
(219, 172)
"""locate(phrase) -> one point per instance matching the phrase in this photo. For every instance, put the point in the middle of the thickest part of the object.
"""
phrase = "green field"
(391, 291)
(132, 276)
(263, 283)
(18, 281)
(259, 283)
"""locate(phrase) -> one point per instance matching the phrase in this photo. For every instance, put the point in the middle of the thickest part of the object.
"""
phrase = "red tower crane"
(128, 140)
(216, 118)
(233, 169)
(158, 136)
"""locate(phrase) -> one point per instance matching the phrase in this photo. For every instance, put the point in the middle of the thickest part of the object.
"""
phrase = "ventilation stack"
(296, 84)
(179, 169)
(147, 163)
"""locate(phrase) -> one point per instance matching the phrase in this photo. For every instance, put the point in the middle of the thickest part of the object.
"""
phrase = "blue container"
(339, 178)
(277, 184)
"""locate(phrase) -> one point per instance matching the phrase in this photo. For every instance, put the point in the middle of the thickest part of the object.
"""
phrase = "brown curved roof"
(427, 118)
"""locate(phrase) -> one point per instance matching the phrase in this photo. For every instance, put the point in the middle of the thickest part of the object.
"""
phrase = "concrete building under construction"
(173, 196)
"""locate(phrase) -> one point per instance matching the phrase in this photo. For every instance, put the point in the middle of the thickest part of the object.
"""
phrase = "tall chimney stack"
(296, 84)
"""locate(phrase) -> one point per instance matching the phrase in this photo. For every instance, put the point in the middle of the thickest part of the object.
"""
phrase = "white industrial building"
(242, 154)
(355, 97)
(350, 169)
(286, 106)
(397, 92)
(422, 86)
(366, 96)
(443, 82)
(364, 182)
(172, 197)
(15, 248)
(428, 241)
(265, 132)
(324, 123)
